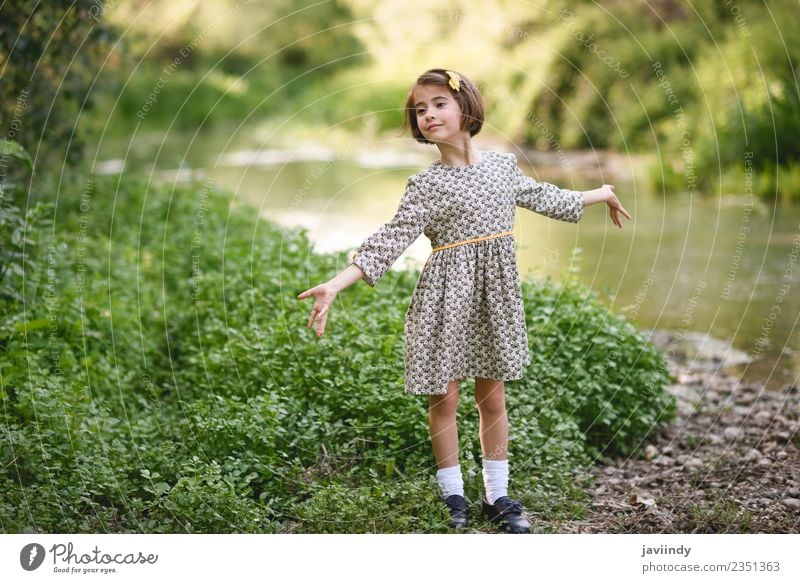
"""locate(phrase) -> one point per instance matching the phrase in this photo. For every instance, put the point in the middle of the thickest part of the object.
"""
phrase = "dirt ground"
(729, 463)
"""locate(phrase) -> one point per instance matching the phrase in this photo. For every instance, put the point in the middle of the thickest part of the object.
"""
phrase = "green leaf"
(12, 148)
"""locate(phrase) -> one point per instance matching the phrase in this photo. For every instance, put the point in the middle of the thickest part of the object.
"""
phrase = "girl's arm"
(346, 277)
(561, 203)
(375, 255)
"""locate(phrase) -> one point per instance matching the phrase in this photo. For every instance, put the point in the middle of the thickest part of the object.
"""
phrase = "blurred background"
(691, 109)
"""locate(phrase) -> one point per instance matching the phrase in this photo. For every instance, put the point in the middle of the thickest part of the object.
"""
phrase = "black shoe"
(458, 511)
(507, 513)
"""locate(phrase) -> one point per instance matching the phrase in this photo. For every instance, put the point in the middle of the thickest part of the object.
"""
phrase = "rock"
(650, 452)
(694, 462)
(753, 455)
(641, 498)
(792, 503)
(732, 433)
(763, 415)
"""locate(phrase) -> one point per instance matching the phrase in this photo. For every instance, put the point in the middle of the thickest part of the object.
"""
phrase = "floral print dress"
(466, 316)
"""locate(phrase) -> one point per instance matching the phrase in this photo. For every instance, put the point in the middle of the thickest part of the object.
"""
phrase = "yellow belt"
(471, 241)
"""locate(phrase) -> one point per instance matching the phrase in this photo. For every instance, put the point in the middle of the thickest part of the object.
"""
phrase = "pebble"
(792, 503)
(732, 432)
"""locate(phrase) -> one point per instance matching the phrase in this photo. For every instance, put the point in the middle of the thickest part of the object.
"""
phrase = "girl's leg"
(444, 433)
(498, 507)
(491, 400)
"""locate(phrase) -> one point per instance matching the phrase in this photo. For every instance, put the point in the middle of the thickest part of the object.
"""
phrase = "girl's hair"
(468, 98)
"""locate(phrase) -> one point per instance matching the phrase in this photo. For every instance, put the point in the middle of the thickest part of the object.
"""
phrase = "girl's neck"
(458, 154)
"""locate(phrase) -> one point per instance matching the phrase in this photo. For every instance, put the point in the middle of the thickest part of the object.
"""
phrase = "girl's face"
(438, 113)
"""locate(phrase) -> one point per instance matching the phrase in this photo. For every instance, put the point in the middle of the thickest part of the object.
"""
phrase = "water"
(720, 274)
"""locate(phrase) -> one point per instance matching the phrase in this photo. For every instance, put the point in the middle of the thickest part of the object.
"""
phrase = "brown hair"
(468, 98)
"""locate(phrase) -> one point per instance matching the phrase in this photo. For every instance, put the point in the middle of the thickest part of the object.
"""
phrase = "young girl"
(466, 317)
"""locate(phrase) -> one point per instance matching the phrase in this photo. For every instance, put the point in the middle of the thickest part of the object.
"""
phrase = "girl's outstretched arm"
(375, 255)
(561, 203)
(325, 293)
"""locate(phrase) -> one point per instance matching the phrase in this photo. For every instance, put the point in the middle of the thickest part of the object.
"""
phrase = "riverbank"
(728, 463)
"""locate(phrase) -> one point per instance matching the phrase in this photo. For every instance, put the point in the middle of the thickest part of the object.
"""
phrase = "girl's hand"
(324, 295)
(613, 202)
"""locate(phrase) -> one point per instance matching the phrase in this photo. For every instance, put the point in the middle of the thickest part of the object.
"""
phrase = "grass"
(178, 390)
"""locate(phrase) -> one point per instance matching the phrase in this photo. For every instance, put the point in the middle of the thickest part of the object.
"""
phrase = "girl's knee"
(490, 396)
(493, 405)
(446, 404)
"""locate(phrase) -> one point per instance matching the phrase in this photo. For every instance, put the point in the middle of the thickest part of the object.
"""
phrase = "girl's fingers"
(321, 324)
(615, 217)
(320, 314)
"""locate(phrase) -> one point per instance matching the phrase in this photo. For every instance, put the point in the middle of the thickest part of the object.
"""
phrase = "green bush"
(160, 378)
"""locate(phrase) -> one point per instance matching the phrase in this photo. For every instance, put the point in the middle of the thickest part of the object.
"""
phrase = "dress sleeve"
(380, 250)
(545, 198)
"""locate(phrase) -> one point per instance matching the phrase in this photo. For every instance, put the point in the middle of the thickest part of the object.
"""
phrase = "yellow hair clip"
(455, 80)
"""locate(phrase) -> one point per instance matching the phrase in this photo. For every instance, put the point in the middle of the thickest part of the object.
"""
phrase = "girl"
(466, 317)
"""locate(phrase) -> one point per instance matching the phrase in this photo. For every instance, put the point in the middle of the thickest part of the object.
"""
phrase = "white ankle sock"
(450, 481)
(495, 479)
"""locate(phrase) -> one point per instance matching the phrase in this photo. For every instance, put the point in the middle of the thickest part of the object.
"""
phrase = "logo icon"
(31, 556)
